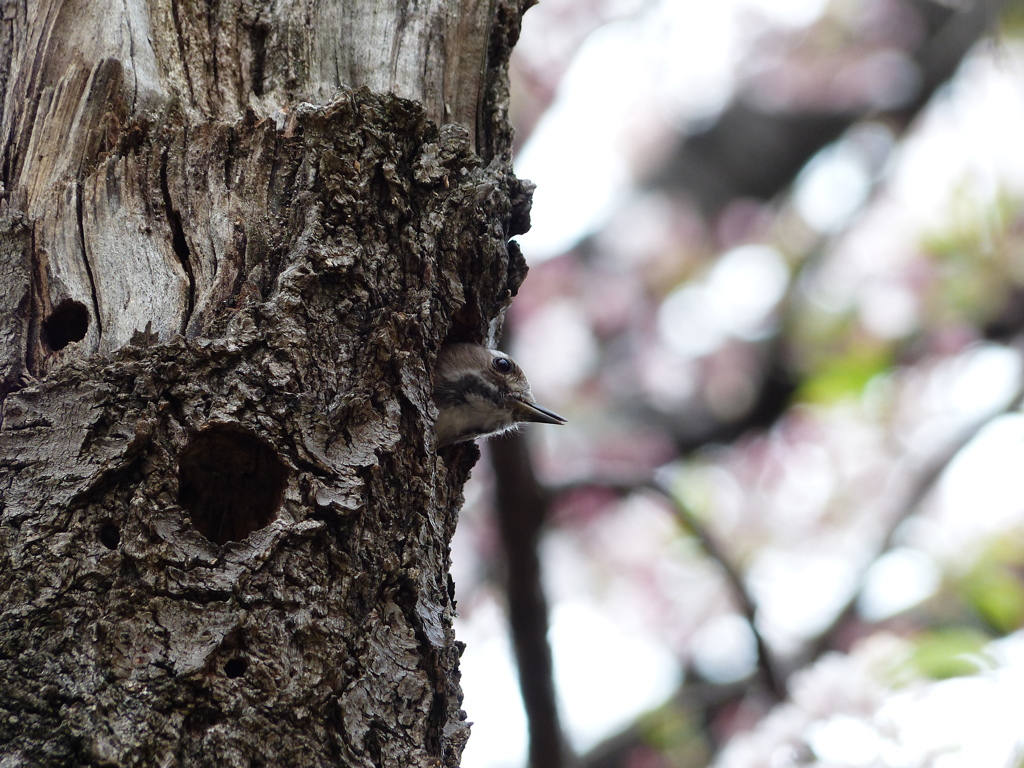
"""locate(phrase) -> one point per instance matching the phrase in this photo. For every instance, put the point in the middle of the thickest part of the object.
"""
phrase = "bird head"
(481, 392)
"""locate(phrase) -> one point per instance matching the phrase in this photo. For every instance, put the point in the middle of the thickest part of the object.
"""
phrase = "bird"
(481, 392)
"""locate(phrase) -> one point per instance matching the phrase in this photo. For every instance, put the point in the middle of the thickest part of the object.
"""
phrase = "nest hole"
(68, 322)
(110, 536)
(231, 483)
(235, 667)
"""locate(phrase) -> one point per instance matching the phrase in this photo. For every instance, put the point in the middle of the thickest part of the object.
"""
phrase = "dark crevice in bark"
(85, 258)
(178, 240)
(7, 167)
(229, 154)
(5, 83)
(38, 294)
(258, 43)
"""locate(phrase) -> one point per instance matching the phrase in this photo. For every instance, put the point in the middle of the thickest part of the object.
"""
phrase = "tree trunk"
(232, 239)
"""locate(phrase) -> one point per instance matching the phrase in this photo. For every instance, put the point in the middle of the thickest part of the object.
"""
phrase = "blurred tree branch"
(921, 484)
(775, 686)
(756, 151)
(522, 506)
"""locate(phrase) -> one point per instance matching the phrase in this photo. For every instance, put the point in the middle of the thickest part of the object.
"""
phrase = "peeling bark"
(227, 263)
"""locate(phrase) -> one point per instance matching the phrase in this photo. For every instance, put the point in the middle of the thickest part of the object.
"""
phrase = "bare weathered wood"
(86, 80)
(224, 275)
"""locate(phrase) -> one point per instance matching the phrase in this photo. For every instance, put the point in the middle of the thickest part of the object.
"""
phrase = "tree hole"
(236, 667)
(109, 536)
(68, 322)
(231, 483)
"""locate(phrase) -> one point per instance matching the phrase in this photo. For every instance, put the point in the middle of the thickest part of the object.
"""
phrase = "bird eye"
(502, 365)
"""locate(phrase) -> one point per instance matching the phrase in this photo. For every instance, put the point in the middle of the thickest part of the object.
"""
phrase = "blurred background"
(777, 287)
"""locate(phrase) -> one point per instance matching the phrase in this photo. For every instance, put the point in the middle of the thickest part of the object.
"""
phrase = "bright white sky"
(672, 63)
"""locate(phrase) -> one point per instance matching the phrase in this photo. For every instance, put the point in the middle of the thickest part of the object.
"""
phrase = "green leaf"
(845, 376)
(997, 595)
(946, 653)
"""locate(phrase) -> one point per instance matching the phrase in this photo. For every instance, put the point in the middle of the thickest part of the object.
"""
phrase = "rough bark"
(225, 271)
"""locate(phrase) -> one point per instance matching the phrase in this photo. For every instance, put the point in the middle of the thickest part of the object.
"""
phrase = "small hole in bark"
(236, 667)
(231, 483)
(110, 537)
(68, 322)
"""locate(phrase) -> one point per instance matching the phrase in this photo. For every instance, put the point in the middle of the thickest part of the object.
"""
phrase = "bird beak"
(528, 411)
